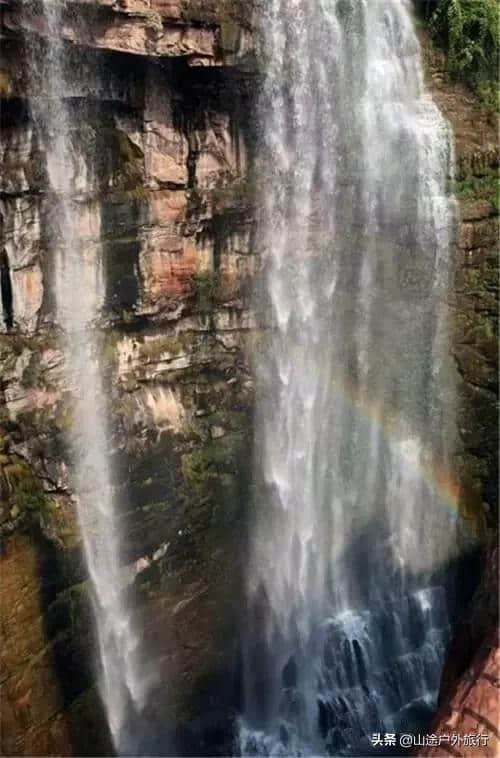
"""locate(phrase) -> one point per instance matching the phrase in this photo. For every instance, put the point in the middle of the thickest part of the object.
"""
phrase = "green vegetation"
(468, 30)
(205, 291)
(480, 188)
(216, 462)
(196, 471)
(27, 492)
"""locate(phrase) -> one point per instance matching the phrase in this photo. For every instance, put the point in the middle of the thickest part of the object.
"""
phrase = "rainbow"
(451, 492)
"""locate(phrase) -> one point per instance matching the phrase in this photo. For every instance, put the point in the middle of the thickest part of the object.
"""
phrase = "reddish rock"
(476, 210)
(167, 206)
(470, 685)
(168, 265)
(474, 708)
(30, 694)
(135, 33)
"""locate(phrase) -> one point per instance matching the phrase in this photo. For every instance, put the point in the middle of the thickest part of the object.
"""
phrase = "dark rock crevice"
(6, 291)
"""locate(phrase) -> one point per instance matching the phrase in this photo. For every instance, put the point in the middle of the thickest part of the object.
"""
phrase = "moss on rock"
(205, 291)
(27, 492)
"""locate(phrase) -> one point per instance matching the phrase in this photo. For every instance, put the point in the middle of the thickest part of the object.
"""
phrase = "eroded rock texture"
(472, 711)
(161, 174)
(474, 299)
(470, 688)
(470, 697)
(164, 196)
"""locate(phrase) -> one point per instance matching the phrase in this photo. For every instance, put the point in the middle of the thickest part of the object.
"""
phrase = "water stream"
(354, 526)
(78, 289)
(347, 612)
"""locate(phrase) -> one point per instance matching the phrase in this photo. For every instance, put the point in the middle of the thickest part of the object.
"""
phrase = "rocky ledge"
(205, 32)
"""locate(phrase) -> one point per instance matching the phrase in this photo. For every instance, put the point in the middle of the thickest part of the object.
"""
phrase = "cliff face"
(469, 696)
(161, 176)
(470, 685)
(164, 195)
(474, 297)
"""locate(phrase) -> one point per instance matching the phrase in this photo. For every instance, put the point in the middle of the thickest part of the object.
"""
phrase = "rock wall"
(165, 189)
(474, 298)
(470, 687)
(161, 168)
(469, 699)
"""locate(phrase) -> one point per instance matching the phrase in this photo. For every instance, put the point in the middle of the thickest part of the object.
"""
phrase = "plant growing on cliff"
(468, 31)
(26, 491)
(205, 291)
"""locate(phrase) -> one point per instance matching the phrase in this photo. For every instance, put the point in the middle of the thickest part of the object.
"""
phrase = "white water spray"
(347, 615)
(78, 286)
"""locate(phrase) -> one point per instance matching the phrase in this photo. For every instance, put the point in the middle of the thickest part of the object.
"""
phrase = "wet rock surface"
(161, 177)
(469, 694)
(474, 298)
(470, 685)
(164, 193)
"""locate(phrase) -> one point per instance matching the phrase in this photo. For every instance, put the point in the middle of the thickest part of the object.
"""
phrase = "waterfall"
(78, 290)
(354, 525)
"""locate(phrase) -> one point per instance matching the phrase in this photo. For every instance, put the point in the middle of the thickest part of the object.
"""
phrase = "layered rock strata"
(164, 194)
(161, 176)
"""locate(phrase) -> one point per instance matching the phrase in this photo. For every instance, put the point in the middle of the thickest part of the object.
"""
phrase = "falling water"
(348, 617)
(78, 288)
